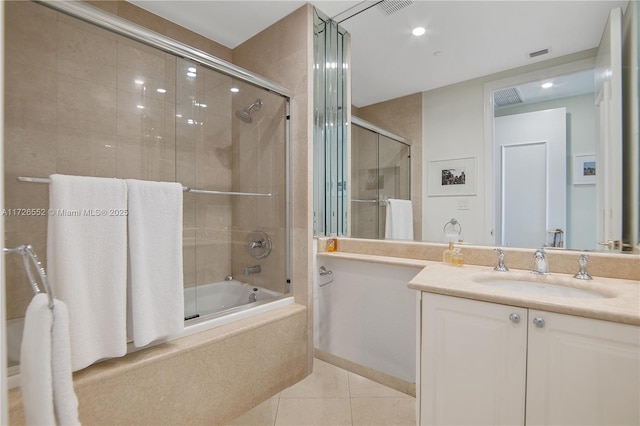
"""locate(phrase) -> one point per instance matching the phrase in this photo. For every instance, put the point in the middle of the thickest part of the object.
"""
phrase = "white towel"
(87, 263)
(45, 365)
(156, 305)
(399, 223)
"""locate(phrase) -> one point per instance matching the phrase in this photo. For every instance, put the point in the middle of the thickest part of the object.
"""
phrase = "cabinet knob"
(538, 322)
(515, 318)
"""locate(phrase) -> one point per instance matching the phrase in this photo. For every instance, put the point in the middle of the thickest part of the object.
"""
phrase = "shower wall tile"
(30, 36)
(86, 55)
(213, 257)
(83, 104)
(29, 151)
(30, 96)
(85, 26)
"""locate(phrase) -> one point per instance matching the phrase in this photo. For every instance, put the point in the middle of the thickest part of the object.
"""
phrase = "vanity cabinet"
(486, 363)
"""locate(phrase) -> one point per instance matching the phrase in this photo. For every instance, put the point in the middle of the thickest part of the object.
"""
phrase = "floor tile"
(326, 381)
(383, 411)
(261, 415)
(362, 387)
(314, 411)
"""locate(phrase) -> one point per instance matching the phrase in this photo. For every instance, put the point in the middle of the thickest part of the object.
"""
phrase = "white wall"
(453, 127)
(367, 315)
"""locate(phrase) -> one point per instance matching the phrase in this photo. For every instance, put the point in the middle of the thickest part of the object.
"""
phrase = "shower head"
(245, 114)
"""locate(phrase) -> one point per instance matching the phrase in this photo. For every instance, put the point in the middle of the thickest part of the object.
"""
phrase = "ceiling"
(463, 40)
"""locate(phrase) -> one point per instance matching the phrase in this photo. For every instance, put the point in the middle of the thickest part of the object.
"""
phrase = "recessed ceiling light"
(547, 85)
(235, 89)
(191, 74)
(160, 90)
(138, 81)
(418, 31)
(191, 69)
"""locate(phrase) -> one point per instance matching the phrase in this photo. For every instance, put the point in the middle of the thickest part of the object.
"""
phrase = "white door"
(472, 362)
(532, 190)
(608, 85)
(582, 371)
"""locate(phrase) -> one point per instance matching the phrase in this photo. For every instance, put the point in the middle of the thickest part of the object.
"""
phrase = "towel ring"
(29, 257)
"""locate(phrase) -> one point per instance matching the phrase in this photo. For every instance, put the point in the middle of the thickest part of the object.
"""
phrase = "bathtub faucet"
(252, 269)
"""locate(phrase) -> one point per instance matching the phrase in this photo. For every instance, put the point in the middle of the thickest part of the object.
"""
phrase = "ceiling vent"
(389, 7)
(538, 53)
(505, 97)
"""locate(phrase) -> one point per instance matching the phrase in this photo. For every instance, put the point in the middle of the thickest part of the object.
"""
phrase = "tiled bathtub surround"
(208, 378)
(624, 266)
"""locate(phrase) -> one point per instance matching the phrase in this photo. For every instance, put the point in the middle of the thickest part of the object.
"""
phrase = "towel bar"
(184, 188)
(27, 253)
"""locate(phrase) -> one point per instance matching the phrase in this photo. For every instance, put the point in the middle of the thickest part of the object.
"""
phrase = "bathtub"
(218, 304)
(208, 299)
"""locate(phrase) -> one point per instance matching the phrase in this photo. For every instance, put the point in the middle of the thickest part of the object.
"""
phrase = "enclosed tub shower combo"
(151, 109)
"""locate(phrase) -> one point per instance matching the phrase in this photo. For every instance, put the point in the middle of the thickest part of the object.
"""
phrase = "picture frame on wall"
(452, 177)
(584, 169)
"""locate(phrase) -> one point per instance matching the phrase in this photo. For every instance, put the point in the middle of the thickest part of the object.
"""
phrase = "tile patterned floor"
(332, 397)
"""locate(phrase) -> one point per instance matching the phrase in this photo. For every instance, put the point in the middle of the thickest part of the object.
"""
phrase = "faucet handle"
(582, 272)
(500, 267)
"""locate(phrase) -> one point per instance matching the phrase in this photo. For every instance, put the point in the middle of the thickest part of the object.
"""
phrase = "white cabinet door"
(473, 362)
(582, 371)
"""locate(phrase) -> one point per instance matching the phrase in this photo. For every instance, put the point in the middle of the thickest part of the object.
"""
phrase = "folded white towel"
(45, 366)
(399, 222)
(156, 304)
(87, 263)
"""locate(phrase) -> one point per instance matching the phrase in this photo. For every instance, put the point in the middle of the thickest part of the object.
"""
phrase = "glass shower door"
(364, 183)
(380, 169)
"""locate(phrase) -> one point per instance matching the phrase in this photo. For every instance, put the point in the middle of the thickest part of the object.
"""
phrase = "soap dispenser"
(447, 256)
(453, 255)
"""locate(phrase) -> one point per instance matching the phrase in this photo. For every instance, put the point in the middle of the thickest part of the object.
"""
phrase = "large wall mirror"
(467, 125)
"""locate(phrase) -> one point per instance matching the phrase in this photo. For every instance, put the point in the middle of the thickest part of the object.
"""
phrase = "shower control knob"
(514, 318)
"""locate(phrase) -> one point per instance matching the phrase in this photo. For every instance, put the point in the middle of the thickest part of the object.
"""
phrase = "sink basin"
(541, 288)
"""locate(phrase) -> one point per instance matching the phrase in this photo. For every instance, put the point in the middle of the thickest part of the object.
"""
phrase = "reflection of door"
(608, 82)
(532, 187)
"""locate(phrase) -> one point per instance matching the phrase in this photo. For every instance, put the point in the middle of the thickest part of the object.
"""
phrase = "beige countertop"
(620, 304)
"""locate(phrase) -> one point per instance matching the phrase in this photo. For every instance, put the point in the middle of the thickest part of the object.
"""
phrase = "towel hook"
(27, 253)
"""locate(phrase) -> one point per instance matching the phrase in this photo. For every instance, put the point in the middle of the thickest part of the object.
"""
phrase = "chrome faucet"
(541, 267)
(252, 269)
(582, 273)
(500, 266)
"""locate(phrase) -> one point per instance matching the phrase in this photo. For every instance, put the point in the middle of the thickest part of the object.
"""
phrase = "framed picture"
(584, 169)
(453, 177)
